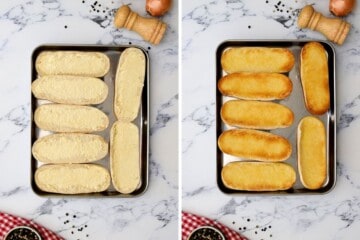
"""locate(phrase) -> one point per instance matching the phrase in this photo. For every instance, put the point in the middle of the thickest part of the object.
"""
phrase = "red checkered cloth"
(190, 222)
(8, 222)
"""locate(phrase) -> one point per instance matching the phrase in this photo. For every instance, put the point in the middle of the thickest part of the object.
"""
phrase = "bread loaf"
(125, 157)
(80, 63)
(70, 148)
(315, 78)
(254, 145)
(312, 161)
(258, 176)
(72, 178)
(129, 82)
(255, 86)
(256, 114)
(70, 89)
(257, 59)
(70, 118)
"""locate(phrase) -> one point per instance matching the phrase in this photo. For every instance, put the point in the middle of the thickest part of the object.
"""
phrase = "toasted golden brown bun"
(255, 86)
(312, 163)
(254, 145)
(258, 176)
(315, 78)
(256, 114)
(257, 59)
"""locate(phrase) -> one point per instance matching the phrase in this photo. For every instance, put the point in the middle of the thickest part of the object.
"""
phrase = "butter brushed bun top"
(254, 145)
(311, 137)
(314, 71)
(258, 176)
(257, 59)
(256, 114)
(255, 86)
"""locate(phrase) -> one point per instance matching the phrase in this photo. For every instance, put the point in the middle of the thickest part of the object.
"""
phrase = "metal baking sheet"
(113, 52)
(296, 103)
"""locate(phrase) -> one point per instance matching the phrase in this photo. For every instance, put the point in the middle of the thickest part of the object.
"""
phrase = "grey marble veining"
(335, 215)
(24, 26)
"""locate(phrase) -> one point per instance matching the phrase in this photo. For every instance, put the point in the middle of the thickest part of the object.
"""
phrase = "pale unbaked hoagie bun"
(129, 82)
(72, 178)
(80, 63)
(70, 118)
(70, 89)
(70, 148)
(125, 157)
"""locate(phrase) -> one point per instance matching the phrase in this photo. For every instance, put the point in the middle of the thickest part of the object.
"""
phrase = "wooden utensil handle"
(334, 29)
(150, 29)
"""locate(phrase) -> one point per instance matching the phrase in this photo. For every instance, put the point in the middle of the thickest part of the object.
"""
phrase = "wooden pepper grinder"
(334, 29)
(150, 29)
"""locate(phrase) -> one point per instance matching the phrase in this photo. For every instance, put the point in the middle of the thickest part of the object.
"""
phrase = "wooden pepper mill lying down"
(150, 29)
(334, 29)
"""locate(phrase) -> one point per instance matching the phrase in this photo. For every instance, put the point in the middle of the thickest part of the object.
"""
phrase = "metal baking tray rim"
(145, 103)
(331, 112)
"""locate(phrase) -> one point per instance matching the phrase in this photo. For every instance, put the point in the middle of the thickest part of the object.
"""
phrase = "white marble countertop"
(336, 215)
(24, 26)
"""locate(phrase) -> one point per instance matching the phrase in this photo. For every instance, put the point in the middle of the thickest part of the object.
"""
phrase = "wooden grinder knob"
(150, 29)
(334, 29)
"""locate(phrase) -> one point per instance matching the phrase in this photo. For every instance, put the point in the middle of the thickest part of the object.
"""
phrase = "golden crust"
(258, 176)
(255, 86)
(311, 140)
(257, 59)
(315, 78)
(254, 145)
(256, 114)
